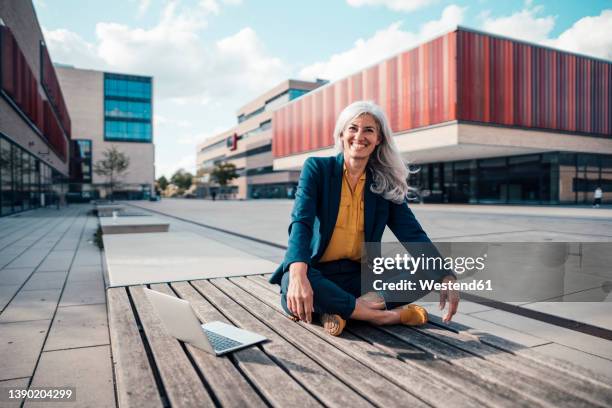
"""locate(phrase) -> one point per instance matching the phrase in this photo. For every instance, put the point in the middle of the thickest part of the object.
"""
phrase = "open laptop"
(180, 321)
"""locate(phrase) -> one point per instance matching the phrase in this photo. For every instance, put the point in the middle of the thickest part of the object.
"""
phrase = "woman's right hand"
(299, 293)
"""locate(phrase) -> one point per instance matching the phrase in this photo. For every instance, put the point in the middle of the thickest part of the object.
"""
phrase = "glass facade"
(550, 178)
(25, 181)
(127, 108)
(272, 190)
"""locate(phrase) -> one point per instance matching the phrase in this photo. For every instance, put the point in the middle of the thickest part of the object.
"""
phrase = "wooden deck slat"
(331, 391)
(560, 381)
(135, 382)
(181, 382)
(278, 387)
(377, 388)
(541, 358)
(487, 393)
(541, 392)
(544, 390)
(316, 379)
(229, 386)
(391, 365)
(570, 384)
(453, 380)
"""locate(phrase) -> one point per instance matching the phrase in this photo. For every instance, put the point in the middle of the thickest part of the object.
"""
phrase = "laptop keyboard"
(220, 343)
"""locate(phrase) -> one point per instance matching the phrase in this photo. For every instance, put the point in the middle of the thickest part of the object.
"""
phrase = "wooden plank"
(227, 383)
(277, 387)
(442, 379)
(181, 381)
(328, 389)
(578, 387)
(556, 363)
(378, 389)
(530, 387)
(563, 381)
(136, 385)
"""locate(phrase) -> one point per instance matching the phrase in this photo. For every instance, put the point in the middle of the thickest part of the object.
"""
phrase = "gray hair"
(389, 171)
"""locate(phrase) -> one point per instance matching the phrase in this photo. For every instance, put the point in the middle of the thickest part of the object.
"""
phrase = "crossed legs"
(339, 294)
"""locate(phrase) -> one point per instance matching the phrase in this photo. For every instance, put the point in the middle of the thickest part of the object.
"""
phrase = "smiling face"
(360, 137)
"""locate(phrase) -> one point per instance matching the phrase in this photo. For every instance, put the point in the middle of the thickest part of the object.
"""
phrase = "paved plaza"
(53, 308)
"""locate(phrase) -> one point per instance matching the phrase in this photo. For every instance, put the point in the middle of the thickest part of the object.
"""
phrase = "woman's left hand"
(450, 295)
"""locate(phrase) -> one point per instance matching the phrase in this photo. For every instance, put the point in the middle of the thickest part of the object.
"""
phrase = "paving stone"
(595, 363)
(46, 280)
(570, 338)
(595, 313)
(20, 346)
(57, 261)
(31, 305)
(78, 326)
(6, 294)
(88, 258)
(85, 273)
(14, 276)
(19, 384)
(30, 258)
(83, 293)
(88, 369)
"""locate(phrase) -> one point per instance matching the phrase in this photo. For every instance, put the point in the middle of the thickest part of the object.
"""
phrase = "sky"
(210, 57)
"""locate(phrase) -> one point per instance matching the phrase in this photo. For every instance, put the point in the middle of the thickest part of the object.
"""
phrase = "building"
(109, 109)
(35, 126)
(486, 119)
(248, 146)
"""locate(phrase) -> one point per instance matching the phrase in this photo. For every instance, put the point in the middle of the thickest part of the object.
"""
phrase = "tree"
(223, 173)
(182, 179)
(162, 182)
(113, 166)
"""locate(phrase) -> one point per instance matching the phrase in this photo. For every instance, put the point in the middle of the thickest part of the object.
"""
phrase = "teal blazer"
(315, 210)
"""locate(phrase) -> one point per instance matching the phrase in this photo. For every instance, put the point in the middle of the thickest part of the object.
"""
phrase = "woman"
(340, 203)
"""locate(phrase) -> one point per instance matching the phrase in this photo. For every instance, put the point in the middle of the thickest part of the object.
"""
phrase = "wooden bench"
(303, 366)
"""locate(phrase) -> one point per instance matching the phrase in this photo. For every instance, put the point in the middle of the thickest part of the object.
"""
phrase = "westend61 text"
(431, 284)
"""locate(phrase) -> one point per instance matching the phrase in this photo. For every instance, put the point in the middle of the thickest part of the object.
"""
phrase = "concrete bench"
(132, 225)
(171, 256)
(106, 210)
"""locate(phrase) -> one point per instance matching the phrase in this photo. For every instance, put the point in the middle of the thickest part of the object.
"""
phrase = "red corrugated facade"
(465, 76)
(20, 84)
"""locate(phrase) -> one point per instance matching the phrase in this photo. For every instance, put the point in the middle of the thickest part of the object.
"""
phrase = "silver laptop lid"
(179, 319)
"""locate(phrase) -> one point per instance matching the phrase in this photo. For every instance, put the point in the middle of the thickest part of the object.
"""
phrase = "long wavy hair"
(389, 171)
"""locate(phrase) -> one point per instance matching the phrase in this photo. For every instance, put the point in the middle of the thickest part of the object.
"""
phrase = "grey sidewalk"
(53, 318)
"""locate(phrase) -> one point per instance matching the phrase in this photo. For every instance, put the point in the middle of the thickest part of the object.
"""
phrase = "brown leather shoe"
(333, 323)
(413, 315)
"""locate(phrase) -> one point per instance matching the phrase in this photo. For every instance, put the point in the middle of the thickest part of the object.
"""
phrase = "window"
(127, 131)
(127, 86)
(127, 108)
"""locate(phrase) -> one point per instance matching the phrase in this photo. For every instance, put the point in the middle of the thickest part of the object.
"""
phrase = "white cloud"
(143, 6)
(185, 68)
(68, 47)
(187, 162)
(396, 5)
(524, 25)
(381, 45)
(590, 35)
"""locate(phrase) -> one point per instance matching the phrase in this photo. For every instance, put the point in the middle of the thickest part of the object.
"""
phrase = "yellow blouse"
(348, 234)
